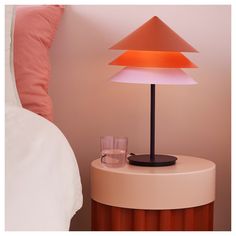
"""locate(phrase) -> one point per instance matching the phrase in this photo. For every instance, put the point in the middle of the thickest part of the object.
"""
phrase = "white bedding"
(43, 188)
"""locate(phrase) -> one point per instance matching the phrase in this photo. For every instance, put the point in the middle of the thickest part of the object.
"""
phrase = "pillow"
(11, 95)
(35, 28)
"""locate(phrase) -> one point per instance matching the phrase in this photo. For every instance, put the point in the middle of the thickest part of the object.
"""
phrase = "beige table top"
(189, 183)
(184, 164)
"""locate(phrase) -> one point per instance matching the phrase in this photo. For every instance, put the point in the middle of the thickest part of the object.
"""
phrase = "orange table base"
(110, 218)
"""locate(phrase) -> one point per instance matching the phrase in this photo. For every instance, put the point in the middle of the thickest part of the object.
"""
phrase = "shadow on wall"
(73, 90)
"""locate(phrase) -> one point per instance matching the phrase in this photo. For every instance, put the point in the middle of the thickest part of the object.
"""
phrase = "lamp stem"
(152, 124)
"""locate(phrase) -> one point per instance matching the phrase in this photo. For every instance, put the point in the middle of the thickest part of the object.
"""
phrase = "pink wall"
(191, 120)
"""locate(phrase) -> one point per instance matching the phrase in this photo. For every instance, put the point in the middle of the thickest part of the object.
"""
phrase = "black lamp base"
(144, 160)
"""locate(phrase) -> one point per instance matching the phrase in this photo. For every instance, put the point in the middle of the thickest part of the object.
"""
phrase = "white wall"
(191, 120)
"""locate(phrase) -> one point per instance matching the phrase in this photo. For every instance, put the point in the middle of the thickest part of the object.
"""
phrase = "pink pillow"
(35, 27)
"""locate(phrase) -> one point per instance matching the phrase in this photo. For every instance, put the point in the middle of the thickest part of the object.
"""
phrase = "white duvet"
(43, 189)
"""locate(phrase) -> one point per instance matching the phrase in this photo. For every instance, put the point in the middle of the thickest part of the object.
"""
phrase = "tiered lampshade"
(153, 56)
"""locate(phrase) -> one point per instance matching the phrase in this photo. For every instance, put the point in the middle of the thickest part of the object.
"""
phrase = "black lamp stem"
(152, 124)
(152, 159)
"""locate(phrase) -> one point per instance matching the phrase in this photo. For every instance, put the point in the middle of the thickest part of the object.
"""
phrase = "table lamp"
(153, 56)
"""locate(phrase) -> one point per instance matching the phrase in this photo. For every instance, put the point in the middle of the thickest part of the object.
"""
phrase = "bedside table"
(178, 197)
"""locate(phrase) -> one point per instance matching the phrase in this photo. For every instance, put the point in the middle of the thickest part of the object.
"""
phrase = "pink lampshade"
(153, 76)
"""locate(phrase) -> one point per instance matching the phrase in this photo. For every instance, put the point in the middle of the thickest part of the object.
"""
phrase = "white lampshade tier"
(153, 76)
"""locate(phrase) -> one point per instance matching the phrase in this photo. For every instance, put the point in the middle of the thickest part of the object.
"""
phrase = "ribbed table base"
(109, 218)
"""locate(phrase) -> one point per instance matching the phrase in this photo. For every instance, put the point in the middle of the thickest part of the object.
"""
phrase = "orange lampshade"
(153, 59)
(154, 35)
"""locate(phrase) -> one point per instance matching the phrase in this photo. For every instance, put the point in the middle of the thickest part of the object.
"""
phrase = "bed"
(42, 180)
(43, 189)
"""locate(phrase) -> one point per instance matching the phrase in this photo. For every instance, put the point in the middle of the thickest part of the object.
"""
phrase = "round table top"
(184, 164)
(188, 183)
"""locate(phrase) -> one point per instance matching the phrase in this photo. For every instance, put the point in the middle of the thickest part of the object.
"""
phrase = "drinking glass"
(113, 151)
